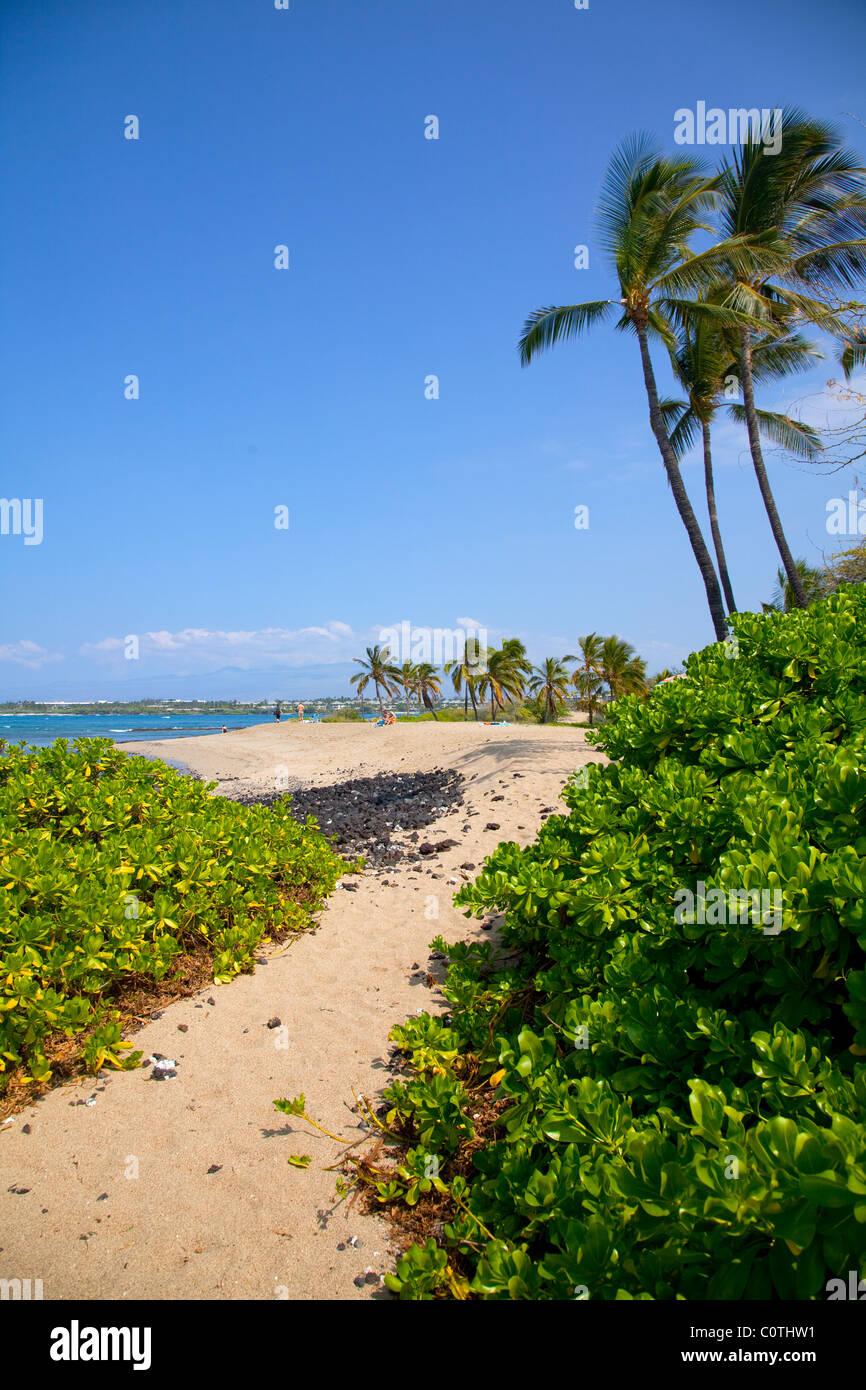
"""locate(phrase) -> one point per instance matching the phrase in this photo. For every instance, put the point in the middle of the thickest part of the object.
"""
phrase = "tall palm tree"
(428, 686)
(806, 205)
(378, 669)
(586, 677)
(407, 679)
(650, 209)
(549, 684)
(465, 673)
(705, 359)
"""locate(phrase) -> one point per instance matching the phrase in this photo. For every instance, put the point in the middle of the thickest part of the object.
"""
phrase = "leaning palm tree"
(549, 685)
(806, 206)
(378, 669)
(428, 686)
(650, 209)
(465, 673)
(706, 360)
(407, 679)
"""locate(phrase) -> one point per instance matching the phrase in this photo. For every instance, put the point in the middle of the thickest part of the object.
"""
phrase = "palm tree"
(378, 669)
(428, 686)
(587, 685)
(465, 673)
(807, 206)
(814, 583)
(549, 684)
(704, 363)
(650, 209)
(586, 677)
(505, 675)
(407, 676)
(621, 669)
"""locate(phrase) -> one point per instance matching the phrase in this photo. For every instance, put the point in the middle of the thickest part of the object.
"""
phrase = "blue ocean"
(42, 729)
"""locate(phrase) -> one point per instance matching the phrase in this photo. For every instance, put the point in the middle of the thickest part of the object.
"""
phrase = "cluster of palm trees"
(419, 679)
(788, 238)
(607, 667)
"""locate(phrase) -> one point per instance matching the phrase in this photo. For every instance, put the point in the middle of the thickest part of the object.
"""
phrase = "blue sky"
(305, 388)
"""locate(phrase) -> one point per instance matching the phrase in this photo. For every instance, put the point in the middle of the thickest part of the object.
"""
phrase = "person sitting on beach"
(225, 730)
(392, 718)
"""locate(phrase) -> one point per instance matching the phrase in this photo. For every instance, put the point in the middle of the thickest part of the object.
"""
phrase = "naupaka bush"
(680, 1096)
(112, 870)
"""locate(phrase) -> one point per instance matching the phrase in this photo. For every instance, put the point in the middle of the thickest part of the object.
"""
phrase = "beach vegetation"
(123, 882)
(629, 1101)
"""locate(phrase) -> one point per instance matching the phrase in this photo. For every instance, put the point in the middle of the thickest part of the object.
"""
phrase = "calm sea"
(42, 729)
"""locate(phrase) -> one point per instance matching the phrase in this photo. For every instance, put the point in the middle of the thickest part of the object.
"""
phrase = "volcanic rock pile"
(377, 818)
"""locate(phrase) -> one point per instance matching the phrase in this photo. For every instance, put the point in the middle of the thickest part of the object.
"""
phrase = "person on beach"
(300, 714)
(278, 714)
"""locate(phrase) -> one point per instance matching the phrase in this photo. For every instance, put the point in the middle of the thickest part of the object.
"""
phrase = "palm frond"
(545, 327)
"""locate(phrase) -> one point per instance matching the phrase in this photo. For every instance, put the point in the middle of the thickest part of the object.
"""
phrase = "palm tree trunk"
(408, 712)
(474, 705)
(681, 497)
(465, 704)
(714, 519)
(791, 570)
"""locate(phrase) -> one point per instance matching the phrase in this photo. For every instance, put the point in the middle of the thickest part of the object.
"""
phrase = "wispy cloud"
(29, 654)
(196, 648)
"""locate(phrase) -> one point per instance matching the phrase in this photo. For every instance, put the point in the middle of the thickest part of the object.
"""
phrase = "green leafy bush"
(112, 871)
(679, 1092)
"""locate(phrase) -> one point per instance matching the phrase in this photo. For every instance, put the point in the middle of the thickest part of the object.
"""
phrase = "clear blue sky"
(305, 388)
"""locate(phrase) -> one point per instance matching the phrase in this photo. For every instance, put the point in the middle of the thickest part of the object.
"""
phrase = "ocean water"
(42, 729)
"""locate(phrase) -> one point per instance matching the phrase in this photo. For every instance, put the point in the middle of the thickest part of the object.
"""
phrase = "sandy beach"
(123, 1188)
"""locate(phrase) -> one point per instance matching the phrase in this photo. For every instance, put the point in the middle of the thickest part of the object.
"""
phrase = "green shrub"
(672, 1098)
(114, 869)
(343, 716)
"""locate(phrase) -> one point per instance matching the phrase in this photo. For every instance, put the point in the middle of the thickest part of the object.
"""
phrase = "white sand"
(260, 1228)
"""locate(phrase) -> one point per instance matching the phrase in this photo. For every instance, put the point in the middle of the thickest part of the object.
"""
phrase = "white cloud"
(201, 649)
(26, 653)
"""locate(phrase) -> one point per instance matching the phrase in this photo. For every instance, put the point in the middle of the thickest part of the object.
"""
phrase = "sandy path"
(119, 1201)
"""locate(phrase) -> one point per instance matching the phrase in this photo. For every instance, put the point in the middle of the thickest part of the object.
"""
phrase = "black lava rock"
(361, 817)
